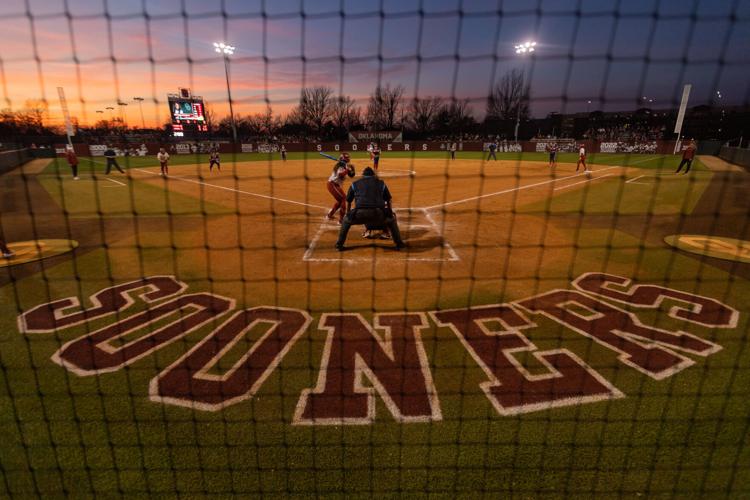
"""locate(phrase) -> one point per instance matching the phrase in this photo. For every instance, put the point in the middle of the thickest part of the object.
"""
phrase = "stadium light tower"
(521, 49)
(140, 100)
(226, 51)
(123, 113)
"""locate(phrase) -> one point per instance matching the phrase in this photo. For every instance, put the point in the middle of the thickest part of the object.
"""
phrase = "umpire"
(373, 208)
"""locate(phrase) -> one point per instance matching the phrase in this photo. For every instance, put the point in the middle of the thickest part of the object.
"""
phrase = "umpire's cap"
(368, 171)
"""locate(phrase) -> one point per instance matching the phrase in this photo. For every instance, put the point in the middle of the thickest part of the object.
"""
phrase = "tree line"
(322, 114)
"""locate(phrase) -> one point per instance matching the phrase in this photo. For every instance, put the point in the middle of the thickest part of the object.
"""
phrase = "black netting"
(358, 248)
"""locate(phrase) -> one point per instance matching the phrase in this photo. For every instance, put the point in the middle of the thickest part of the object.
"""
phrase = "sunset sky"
(655, 48)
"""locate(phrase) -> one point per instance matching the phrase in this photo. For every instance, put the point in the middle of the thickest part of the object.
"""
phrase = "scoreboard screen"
(188, 116)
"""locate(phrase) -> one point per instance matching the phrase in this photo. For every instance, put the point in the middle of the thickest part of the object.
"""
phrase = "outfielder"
(214, 159)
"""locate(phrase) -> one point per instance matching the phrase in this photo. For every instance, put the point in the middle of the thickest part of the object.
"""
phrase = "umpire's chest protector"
(368, 192)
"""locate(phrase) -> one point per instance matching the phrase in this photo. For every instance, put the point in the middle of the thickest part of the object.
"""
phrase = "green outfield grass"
(645, 161)
(683, 436)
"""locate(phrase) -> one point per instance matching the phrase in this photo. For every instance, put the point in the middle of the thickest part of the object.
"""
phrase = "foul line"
(635, 179)
(274, 198)
(582, 182)
(645, 160)
(510, 190)
(116, 182)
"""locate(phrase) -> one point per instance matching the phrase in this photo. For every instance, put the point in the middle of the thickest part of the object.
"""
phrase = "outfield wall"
(737, 156)
(541, 146)
(13, 158)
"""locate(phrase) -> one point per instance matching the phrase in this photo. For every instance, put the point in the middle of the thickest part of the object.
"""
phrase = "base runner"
(582, 161)
(163, 158)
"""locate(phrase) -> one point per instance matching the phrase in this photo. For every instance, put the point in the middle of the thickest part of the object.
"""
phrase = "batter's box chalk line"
(447, 252)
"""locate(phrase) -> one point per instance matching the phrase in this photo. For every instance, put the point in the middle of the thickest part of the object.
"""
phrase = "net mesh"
(568, 315)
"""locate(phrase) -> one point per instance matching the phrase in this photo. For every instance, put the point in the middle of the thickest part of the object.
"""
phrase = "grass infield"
(517, 228)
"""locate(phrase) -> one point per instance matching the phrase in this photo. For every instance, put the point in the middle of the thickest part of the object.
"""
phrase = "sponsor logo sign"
(563, 146)
(97, 149)
(628, 147)
(268, 148)
(383, 358)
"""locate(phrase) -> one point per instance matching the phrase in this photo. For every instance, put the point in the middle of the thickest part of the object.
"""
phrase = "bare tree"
(509, 98)
(345, 113)
(422, 113)
(460, 114)
(210, 117)
(268, 123)
(383, 107)
(315, 106)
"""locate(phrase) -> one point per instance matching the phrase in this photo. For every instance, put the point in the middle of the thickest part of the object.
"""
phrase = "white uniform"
(337, 177)
(162, 157)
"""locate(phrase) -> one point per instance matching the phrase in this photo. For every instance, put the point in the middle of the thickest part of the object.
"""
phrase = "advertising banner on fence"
(628, 147)
(563, 145)
(97, 149)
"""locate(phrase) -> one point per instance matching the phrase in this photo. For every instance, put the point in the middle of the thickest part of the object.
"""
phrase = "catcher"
(373, 208)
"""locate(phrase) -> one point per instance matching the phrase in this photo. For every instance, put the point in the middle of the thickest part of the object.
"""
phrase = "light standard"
(226, 51)
(522, 48)
(139, 100)
(123, 114)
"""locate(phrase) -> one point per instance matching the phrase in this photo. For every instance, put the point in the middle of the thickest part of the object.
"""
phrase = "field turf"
(479, 233)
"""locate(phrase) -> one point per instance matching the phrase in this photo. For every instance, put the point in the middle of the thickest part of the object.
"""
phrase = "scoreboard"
(188, 114)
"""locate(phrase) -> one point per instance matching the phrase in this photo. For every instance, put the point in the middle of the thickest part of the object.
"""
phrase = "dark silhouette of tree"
(383, 107)
(345, 114)
(315, 107)
(509, 96)
(422, 114)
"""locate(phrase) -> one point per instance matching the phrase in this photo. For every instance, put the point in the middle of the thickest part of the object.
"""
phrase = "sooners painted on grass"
(361, 362)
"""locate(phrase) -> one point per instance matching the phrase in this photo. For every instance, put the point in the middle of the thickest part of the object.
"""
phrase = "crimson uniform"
(582, 159)
(687, 158)
(70, 155)
(375, 153)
